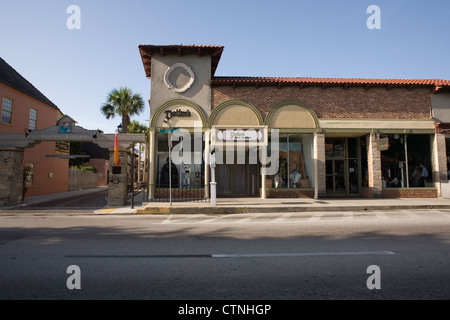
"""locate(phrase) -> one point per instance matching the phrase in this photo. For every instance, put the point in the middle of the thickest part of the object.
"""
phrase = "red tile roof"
(147, 52)
(435, 83)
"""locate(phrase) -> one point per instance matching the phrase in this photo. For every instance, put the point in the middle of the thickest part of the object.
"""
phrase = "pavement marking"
(348, 216)
(105, 211)
(303, 254)
(316, 216)
(284, 217)
(411, 214)
(234, 255)
(381, 215)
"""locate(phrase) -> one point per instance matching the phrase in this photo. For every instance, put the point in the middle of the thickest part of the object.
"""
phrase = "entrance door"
(237, 180)
(343, 171)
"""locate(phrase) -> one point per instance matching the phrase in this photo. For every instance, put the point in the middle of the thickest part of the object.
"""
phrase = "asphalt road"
(221, 257)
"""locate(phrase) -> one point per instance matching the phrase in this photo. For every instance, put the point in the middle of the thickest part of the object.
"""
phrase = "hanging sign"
(383, 144)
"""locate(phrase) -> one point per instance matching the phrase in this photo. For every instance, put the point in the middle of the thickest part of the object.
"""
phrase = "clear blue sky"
(324, 38)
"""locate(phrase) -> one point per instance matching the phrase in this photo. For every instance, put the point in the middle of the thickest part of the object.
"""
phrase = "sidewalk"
(248, 205)
(256, 205)
(34, 200)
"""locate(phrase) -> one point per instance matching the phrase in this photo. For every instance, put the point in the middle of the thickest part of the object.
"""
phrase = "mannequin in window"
(294, 178)
(165, 175)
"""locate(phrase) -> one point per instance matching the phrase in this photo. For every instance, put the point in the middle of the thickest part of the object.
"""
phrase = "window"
(187, 166)
(295, 163)
(407, 162)
(33, 119)
(7, 110)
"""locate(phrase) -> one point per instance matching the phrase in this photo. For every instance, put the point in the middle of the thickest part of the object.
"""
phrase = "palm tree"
(122, 102)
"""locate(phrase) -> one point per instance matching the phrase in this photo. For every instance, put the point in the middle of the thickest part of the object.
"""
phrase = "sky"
(77, 68)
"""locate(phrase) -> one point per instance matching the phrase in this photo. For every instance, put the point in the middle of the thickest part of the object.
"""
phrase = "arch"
(192, 107)
(292, 114)
(236, 113)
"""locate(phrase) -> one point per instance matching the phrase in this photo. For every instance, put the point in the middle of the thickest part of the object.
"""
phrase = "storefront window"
(407, 162)
(188, 173)
(295, 163)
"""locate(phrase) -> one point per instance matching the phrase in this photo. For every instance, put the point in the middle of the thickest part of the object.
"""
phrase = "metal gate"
(184, 185)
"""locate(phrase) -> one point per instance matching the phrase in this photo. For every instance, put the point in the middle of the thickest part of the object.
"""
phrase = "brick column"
(151, 165)
(374, 166)
(439, 162)
(118, 182)
(320, 178)
(11, 177)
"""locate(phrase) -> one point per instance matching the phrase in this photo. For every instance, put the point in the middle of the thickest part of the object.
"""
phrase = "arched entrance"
(12, 146)
(237, 130)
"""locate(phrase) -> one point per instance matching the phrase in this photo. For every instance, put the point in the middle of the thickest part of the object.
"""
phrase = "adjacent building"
(24, 109)
(292, 137)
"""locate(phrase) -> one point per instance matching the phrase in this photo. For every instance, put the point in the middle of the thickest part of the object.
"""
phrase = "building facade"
(24, 108)
(291, 137)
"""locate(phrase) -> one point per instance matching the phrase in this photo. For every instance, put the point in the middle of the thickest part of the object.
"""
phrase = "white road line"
(304, 254)
(381, 215)
(316, 217)
(348, 216)
(284, 217)
(411, 214)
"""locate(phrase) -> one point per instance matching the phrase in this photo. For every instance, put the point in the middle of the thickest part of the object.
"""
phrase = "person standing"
(424, 175)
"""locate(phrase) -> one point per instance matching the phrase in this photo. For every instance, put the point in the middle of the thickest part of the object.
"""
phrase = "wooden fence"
(81, 179)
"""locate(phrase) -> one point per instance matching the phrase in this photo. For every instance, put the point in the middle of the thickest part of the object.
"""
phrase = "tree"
(136, 127)
(124, 103)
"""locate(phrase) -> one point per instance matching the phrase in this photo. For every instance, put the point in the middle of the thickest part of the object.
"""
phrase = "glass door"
(343, 176)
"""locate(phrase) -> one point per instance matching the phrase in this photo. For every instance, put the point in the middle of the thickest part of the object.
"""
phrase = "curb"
(252, 209)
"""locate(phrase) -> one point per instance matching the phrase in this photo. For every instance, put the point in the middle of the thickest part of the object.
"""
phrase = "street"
(278, 256)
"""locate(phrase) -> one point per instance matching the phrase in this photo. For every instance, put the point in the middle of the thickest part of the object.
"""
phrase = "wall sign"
(240, 135)
(177, 114)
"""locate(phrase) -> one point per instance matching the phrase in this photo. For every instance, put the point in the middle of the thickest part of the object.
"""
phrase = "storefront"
(287, 137)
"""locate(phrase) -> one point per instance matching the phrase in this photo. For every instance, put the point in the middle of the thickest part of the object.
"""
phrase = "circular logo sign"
(172, 70)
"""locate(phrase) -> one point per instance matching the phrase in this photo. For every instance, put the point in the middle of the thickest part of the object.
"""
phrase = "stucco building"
(334, 137)
(23, 108)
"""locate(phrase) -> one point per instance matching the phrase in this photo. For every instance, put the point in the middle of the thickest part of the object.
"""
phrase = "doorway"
(239, 179)
(343, 166)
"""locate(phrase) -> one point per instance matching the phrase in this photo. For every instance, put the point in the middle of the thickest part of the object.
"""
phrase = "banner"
(116, 152)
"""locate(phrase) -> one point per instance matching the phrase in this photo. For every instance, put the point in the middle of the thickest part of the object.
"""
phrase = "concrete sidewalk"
(34, 200)
(256, 205)
(248, 205)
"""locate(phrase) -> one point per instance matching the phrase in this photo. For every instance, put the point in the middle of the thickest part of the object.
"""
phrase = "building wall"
(102, 167)
(335, 102)
(50, 174)
(441, 107)
(199, 93)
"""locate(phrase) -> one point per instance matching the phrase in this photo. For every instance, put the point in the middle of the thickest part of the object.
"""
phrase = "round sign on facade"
(173, 71)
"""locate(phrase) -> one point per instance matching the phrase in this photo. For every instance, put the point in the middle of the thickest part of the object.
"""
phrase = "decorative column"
(320, 179)
(439, 164)
(118, 180)
(374, 166)
(207, 162)
(11, 177)
(151, 165)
